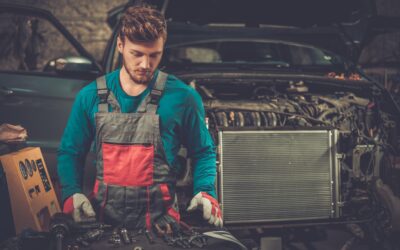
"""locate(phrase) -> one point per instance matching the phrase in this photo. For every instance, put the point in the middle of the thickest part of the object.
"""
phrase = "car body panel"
(42, 106)
(41, 100)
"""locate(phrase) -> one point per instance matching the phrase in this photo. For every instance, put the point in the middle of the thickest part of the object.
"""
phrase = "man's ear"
(120, 44)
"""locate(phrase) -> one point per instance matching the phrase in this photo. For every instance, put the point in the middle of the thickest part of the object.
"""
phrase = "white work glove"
(79, 207)
(210, 207)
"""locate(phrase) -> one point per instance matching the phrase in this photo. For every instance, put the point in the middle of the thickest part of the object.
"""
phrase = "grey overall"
(135, 186)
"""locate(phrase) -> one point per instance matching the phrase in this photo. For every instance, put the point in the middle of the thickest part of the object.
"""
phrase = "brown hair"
(143, 24)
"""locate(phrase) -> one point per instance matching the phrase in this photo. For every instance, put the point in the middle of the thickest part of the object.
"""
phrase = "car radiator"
(275, 175)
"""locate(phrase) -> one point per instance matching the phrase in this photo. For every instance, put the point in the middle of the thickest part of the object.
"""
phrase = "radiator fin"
(276, 176)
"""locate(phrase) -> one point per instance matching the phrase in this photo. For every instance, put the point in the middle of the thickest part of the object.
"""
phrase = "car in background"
(42, 68)
(303, 137)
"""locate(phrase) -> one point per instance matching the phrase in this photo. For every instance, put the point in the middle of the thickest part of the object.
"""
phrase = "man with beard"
(138, 117)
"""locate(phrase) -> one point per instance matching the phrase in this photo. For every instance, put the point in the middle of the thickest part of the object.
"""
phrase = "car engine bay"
(362, 152)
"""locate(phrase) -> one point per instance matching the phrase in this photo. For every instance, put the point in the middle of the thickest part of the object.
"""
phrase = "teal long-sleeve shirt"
(182, 122)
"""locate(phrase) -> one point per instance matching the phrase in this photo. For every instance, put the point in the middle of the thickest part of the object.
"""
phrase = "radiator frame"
(334, 159)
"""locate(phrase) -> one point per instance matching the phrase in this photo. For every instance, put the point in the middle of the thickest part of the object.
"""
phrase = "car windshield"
(251, 52)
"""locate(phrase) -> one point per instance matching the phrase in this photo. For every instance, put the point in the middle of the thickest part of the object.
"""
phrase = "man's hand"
(79, 206)
(210, 207)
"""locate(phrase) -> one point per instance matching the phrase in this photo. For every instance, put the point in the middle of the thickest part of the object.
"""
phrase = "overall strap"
(106, 96)
(151, 101)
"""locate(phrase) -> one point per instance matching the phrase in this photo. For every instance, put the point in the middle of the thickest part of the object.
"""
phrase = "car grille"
(268, 176)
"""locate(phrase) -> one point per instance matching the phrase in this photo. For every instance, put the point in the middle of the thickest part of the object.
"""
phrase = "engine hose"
(239, 119)
(273, 119)
(212, 117)
(264, 119)
(256, 119)
(324, 114)
(231, 119)
(247, 118)
(222, 120)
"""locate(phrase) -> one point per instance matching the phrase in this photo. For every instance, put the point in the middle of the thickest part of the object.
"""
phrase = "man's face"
(141, 59)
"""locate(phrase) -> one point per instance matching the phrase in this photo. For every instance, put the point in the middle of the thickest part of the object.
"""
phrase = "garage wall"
(384, 47)
(381, 58)
(85, 19)
(388, 7)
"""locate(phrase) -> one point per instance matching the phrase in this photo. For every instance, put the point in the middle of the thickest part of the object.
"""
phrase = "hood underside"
(253, 13)
(288, 20)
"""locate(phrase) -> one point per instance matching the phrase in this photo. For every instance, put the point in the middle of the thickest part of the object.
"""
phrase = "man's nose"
(145, 63)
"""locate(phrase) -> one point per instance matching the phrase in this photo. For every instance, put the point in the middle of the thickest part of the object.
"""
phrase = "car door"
(42, 67)
(37, 88)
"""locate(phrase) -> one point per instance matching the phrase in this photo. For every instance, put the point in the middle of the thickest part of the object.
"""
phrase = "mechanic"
(138, 117)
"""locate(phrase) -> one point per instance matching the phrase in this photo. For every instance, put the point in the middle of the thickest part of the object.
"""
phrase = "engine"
(298, 151)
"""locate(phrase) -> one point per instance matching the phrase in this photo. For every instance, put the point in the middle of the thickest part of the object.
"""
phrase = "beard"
(139, 76)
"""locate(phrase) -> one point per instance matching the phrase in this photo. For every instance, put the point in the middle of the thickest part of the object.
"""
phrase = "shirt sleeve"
(200, 146)
(74, 147)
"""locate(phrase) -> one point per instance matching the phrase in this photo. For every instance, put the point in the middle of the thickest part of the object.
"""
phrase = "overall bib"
(135, 186)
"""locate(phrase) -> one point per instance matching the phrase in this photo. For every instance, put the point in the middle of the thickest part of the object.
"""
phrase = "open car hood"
(341, 26)
(298, 13)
